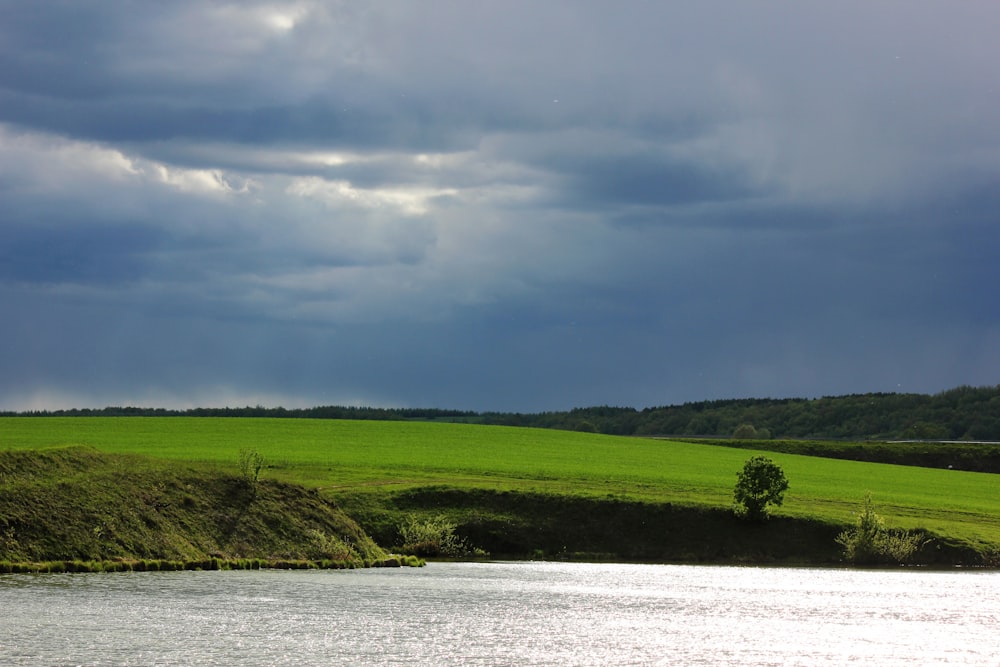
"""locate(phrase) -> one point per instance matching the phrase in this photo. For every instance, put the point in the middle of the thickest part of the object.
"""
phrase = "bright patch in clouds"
(283, 21)
(279, 18)
(49, 161)
(408, 201)
(199, 181)
(44, 162)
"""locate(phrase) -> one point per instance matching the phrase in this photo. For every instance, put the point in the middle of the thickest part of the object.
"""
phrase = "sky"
(511, 206)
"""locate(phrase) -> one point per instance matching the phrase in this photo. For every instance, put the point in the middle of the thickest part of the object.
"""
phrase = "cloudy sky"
(516, 206)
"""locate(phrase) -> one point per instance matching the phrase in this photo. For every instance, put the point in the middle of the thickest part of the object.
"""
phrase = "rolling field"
(349, 456)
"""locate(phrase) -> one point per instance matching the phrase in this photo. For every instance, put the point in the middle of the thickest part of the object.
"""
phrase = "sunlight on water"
(503, 614)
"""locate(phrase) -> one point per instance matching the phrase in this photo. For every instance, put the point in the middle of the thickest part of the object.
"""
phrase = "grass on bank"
(77, 504)
(348, 459)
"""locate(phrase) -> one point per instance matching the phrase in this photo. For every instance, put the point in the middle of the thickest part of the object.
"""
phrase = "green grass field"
(348, 456)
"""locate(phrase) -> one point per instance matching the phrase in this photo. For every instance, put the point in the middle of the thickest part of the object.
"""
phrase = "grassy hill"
(80, 504)
(522, 491)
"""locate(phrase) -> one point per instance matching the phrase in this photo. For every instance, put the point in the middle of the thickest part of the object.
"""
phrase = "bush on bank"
(870, 542)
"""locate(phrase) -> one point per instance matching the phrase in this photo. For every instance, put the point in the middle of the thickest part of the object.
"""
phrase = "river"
(528, 613)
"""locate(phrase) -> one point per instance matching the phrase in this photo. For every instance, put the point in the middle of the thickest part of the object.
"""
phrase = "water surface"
(503, 614)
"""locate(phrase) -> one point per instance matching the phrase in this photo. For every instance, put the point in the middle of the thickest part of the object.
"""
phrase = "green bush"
(331, 547)
(762, 482)
(433, 536)
(871, 543)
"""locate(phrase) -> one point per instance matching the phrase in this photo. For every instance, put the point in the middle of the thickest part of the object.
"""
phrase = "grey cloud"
(79, 254)
(314, 122)
(520, 206)
(651, 181)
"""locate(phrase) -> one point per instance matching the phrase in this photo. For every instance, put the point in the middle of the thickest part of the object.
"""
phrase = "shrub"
(433, 536)
(330, 547)
(871, 543)
(762, 482)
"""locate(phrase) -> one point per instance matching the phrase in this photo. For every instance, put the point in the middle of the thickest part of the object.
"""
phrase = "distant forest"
(963, 413)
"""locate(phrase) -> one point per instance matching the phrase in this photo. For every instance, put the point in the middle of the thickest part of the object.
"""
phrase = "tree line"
(319, 412)
(962, 413)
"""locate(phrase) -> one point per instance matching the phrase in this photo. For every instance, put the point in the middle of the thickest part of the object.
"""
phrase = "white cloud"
(200, 181)
(44, 163)
(39, 162)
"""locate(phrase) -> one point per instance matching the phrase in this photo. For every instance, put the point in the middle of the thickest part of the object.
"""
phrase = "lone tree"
(760, 483)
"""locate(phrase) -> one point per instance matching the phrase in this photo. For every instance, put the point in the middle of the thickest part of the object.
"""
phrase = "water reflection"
(503, 614)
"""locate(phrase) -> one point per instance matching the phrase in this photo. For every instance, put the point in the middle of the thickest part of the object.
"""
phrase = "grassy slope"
(77, 503)
(351, 459)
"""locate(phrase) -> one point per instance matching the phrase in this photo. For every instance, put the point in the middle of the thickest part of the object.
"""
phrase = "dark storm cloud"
(496, 205)
(312, 122)
(645, 181)
(83, 255)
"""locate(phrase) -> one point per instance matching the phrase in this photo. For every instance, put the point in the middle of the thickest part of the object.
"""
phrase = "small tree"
(250, 463)
(762, 482)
